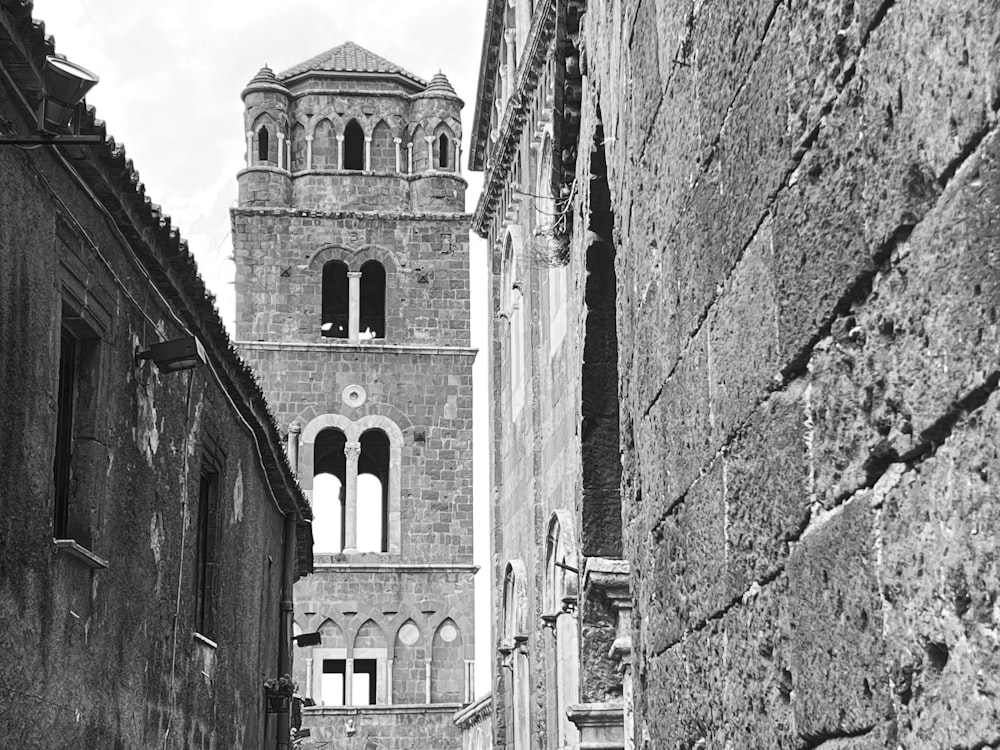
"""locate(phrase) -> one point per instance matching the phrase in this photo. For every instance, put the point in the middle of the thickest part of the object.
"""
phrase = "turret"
(435, 147)
(266, 181)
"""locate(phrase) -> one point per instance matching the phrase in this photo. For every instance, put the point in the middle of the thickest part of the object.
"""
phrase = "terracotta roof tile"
(349, 58)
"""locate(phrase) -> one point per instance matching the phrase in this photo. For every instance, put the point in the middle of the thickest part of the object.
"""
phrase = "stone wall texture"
(102, 652)
(807, 201)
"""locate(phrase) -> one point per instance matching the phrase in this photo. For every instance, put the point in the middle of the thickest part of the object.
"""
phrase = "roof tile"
(349, 58)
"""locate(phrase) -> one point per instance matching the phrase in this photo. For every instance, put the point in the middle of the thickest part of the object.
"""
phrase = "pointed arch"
(335, 304)
(265, 143)
(299, 150)
(447, 664)
(383, 148)
(354, 146)
(560, 589)
(444, 141)
(409, 681)
(324, 146)
(514, 649)
(419, 149)
(371, 306)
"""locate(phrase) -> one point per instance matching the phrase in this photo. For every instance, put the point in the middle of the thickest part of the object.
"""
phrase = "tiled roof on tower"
(349, 58)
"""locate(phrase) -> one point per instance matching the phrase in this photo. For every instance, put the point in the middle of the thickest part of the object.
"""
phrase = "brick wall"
(806, 198)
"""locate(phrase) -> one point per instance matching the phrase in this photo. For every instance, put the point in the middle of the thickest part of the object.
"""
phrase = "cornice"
(355, 348)
(488, 63)
(516, 112)
(385, 215)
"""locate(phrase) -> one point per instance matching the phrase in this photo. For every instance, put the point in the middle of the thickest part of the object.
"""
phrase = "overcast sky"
(171, 74)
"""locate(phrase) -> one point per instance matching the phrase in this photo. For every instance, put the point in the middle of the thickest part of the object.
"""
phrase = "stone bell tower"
(352, 286)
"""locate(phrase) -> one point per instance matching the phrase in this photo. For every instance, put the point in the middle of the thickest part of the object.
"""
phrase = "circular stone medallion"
(354, 395)
(409, 634)
(448, 633)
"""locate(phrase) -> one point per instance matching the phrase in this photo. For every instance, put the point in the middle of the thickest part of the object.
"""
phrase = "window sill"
(204, 640)
(78, 552)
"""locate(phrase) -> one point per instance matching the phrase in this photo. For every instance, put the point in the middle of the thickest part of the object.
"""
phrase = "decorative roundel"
(409, 634)
(448, 633)
(354, 395)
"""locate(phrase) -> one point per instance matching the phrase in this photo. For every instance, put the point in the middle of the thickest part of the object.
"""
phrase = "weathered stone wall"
(806, 199)
(106, 657)
(394, 729)
(279, 271)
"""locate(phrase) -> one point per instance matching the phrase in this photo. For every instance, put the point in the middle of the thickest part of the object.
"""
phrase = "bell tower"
(353, 306)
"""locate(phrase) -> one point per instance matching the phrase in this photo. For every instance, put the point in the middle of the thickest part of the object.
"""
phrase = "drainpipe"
(285, 630)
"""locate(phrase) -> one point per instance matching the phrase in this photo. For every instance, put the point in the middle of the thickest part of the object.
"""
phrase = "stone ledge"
(295, 346)
(474, 713)
(368, 567)
(388, 708)
(80, 553)
(383, 215)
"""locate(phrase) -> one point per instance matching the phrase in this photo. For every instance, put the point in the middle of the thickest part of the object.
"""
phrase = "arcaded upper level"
(315, 129)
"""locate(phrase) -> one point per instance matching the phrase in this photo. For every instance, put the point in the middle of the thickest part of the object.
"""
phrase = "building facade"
(802, 202)
(353, 303)
(139, 505)
(560, 588)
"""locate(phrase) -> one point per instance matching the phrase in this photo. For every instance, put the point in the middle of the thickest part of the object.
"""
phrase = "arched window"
(409, 678)
(354, 146)
(371, 322)
(370, 654)
(418, 147)
(512, 303)
(262, 144)
(447, 664)
(324, 147)
(373, 491)
(336, 300)
(329, 480)
(383, 150)
(329, 668)
(514, 649)
(298, 147)
(561, 588)
(443, 147)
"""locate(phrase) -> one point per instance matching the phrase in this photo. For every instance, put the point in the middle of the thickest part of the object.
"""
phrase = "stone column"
(427, 680)
(309, 678)
(354, 304)
(368, 153)
(399, 165)
(430, 151)
(510, 36)
(294, 431)
(409, 157)
(309, 152)
(352, 451)
(249, 148)
(349, 682)
(340, 152)
(388, 682)
(281, 150)
(458, 156)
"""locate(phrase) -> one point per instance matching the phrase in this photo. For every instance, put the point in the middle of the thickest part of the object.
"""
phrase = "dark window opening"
(371, 323)
(333, 682)
(443, 151)
(262, 144)
(329, 487)
(373, 492)
(354, 146)
(77, 444)
(364, 672)
(601, 532)
(64, 433)
(206, 550)
(336, 301)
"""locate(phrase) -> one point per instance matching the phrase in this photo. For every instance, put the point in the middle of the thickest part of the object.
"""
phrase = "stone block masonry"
(806, 197)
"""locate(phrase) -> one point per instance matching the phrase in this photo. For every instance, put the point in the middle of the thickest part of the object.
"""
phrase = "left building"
(150, 525)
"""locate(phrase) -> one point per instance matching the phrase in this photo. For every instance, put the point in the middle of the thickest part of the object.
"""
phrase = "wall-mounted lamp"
(176, 355)
(308, 639)
(65, 85)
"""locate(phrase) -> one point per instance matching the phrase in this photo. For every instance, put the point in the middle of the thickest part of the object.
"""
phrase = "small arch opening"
(329, 482)
(263, 138)
(443, 146)
(354, 146)
(373, 492)
(371, 319)
(335, 313)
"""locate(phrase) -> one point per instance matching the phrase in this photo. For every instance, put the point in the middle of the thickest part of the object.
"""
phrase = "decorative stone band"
(294, 346)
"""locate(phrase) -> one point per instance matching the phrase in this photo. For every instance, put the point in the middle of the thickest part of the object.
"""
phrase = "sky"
(171, 75)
